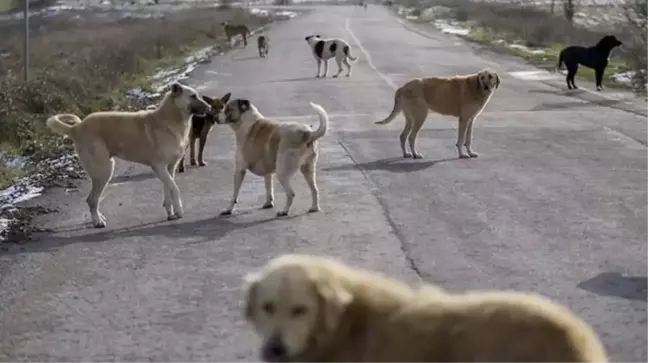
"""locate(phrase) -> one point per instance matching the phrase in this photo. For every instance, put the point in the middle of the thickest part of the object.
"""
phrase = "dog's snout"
(274, 349)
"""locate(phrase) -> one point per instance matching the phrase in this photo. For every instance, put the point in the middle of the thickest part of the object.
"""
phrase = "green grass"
(6, 5)
(9, 174)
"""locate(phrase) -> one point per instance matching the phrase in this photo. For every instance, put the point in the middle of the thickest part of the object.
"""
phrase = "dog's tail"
(347, 52)
(63, 123)
(323, 126)
(560, 61)
(395, 111)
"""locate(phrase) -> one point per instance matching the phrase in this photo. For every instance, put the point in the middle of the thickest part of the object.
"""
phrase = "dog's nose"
(274, 350)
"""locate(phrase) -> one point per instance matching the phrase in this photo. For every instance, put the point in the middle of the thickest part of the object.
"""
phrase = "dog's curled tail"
(63, 123)
(347, 52)
(395, 111)
(323, 126)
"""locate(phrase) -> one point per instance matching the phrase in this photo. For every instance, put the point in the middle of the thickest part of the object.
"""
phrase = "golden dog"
(316, 309)
(461, 96)
(265, 146)
(155, 137)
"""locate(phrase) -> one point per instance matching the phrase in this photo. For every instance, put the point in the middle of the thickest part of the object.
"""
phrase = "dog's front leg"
(319, 67)
(325, 68)
(461, 137)
(192, 151)
(269, 202)
(599, 78)
(202, 141)
(239, 175)
(471, 124)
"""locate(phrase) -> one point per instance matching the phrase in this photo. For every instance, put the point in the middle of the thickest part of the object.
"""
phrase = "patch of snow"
(286, 14)
(257, 11)
(623, 77)
(450, 28)
(527, 49)
(534, 75)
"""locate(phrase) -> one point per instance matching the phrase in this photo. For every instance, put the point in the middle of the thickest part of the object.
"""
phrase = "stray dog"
(316, 309)
(461, 96)
(157, 138)
(325, 49)
(595, 57)
(263, 44)
(233, 30)
(201, 125)
(267, 146)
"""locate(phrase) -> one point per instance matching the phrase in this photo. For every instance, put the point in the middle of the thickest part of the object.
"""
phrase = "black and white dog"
(325, 49)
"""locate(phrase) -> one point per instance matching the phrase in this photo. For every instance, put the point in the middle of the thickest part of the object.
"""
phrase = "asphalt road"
(555, 204)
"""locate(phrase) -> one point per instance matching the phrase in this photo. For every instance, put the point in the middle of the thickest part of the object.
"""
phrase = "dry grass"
(84, 66)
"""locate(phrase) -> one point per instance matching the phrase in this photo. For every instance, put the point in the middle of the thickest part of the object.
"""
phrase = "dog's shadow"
(392, 165)
(617, 285)
(246, 58)
(204, 230)
(299, 79)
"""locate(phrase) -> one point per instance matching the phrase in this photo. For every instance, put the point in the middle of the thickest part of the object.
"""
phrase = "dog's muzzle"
(274, 349)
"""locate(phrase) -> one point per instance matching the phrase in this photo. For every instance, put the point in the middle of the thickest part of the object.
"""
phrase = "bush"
(81, 67)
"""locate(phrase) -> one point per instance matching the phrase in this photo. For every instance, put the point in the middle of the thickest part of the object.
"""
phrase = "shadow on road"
(394, 165)
(617, 285)
(246, 58)
(132, 178)
(292, 79)
(211, 229)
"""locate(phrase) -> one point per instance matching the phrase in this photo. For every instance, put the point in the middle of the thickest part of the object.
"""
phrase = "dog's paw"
(99, 224)
(407, 155)
(227, 212)
(348, 75)
(417, 156)
(473, 154)
(192, 162)
(268, 205)
(314, 210)
(335, 76)
(202, 163)
(282, 214)
(464, 156)
(181, 170)
(173, 217)
(599, 89)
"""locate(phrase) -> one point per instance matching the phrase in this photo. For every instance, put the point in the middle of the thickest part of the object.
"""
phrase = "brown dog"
(201, 125)
(460, 96)
(316, 309)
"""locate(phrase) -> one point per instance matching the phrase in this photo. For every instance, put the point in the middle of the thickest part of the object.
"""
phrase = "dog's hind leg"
(100, 169)
(338, 60)
(417, 112)
(269, 189)
(192, 151)
(571, 74)
(468, 142)
(346, 62)
(172, 202)
(461, 137)
(326, 62)
(403, 136)
(308, 170)
(287, 166)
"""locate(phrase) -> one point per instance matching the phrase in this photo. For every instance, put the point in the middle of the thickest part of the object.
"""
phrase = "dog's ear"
(497, 80)
(333, 300)
(478, 82)
(176, 89)
(207, 99)
(250, 286)
(318, 36)
(226, 98)
(243, 105)
(308, 37)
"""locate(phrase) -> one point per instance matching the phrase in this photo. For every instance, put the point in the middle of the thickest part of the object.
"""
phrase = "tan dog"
(266, 146)
(461, 96)
(233, 30)
(157, 138)
(316, 309)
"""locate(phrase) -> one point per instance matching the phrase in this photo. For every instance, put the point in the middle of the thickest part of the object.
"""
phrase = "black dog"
(595, 57)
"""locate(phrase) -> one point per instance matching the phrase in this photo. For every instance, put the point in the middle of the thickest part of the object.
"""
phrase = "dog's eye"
(298, 311)
(193, 97)
(268, 308)
(490, 76)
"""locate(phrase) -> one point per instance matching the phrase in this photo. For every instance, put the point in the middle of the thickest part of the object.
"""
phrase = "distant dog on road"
(595, 57)
(157, 138)
(267, 146)
(263, 44)
(325, 49)
(233, 30)
(461, 96)
(201, 125)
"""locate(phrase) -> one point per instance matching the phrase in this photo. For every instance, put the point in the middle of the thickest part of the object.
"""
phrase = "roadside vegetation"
(538, 34)
(81, 62)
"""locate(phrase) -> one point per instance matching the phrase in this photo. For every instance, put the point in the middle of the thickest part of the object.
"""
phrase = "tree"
(569, 8)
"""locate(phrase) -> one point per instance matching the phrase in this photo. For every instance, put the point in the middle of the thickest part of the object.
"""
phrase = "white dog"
(266, 146)
(325, 49)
